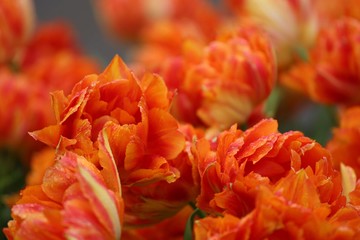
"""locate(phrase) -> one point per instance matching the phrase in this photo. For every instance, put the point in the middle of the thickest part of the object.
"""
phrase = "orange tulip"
(74, 200)
(20, 99)
(49, 39)
(292, 25)
(278, 216)
(231, 170)
(50, 60)
(17, 20)
(129, 109)
(222, 84)
(53, 58)
(162, 43)
(331, 76)
(334, 9)
(343, 145)
(159, 200)
(146, 141)
(292, 208)
(126, 19)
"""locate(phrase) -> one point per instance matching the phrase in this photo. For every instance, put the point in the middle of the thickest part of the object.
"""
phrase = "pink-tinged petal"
(60, 176)
(38, 222)
(25, 210)
(106, 206)
(38, 228)
(79, 215)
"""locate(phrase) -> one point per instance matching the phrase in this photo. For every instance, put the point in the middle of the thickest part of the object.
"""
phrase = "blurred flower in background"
(17, 23)
(36, 60)
(343, 145)
(127, 19)
(331, 75)
(292, 25)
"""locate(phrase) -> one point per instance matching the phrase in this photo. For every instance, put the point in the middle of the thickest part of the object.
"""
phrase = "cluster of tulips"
(182, 141)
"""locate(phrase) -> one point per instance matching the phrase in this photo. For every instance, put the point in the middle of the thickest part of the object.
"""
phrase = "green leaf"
(302, 53)
(272, 102)
(12, 172)
(188, 234)
(12, 179)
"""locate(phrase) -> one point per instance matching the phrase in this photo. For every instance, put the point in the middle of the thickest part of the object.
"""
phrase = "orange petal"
(164, 138)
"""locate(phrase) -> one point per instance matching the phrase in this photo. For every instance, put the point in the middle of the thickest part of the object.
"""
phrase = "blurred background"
(80, 15)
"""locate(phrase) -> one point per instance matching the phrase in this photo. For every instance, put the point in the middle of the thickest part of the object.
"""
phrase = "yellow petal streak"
(104, 197)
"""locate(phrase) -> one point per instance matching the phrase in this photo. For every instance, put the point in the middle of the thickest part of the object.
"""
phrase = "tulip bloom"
(331, 76)
(74, 200)
(223, 83)
(126, 19)
(343, 145)
(50, 60)
(125, 107)
(17, 20)
(53, 58)
(163, 41)
(146, 142)
(292, 25)
(20, 99)
(334, 9)
(304, 202)
(232, 168)
(288, 212)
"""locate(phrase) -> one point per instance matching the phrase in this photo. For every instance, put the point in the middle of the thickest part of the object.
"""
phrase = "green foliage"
(12, 179)
(197, 213)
